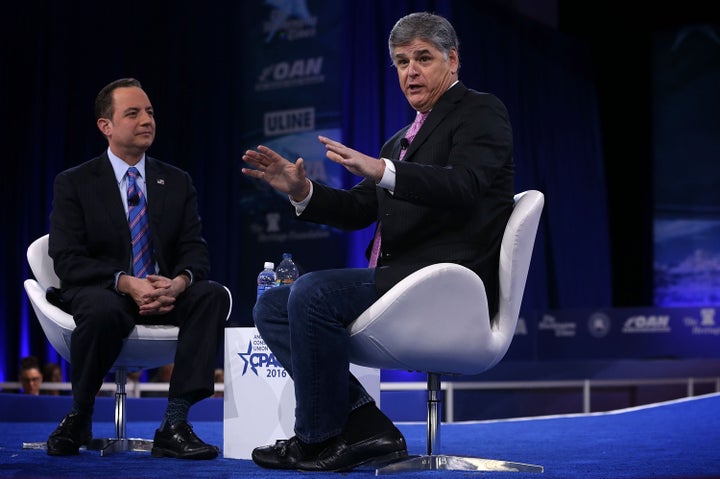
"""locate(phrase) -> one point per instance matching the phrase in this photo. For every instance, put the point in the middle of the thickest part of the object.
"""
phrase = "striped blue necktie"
(139, 226)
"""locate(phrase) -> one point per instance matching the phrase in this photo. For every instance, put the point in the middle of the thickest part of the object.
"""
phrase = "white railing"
(586, 385)
(132, 389)
(135, 389)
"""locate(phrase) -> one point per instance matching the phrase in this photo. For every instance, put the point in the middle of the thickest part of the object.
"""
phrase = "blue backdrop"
(686, 140)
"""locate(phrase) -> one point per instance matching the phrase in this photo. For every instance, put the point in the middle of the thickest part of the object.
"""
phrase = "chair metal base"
(120, 443)
(105, 446)
(441, 462)
(34, 445)
(454, 463)
(109, 446)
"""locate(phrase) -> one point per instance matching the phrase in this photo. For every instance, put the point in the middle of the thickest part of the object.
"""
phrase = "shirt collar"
(120, 167)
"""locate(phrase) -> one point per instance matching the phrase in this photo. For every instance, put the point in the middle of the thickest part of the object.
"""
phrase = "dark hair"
(29, 362)
(425, 26)
(104, 100)
(48, 370)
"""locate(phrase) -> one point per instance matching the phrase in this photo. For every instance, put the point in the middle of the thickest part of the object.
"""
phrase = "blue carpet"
(673, 440)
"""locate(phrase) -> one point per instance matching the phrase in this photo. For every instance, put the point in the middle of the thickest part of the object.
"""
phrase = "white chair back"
(41, 264)
(55, 323)
(515, 255)
(437, 320)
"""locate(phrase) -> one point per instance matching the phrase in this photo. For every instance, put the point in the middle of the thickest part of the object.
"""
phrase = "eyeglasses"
(31, 380)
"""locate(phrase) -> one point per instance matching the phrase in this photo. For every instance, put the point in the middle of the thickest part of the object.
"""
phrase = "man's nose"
(146, 118)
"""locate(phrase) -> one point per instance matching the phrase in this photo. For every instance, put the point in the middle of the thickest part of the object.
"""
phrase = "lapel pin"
(160, 181)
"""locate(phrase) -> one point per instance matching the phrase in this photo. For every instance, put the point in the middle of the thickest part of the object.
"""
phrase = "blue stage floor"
(673, 440)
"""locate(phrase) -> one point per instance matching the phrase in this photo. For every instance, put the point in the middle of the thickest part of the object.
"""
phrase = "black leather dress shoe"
(74, 431)
(284, 454)
(336, 456)
(181, 442)
(340, 456)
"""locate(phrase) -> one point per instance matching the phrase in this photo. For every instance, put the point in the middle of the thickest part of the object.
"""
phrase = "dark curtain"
(53, 62)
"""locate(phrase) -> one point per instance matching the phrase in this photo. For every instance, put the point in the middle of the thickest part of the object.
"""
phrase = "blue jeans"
(305, 326)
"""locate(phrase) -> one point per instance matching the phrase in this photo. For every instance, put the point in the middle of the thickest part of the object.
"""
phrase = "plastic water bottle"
(286, 271)
(267, 278)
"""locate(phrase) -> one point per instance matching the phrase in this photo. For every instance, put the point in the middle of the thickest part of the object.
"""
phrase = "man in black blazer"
(90, 243)
(440, 193)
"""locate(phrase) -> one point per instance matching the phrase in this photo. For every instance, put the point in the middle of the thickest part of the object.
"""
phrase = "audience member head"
(163, 373)
(30, 375)
(52, 373)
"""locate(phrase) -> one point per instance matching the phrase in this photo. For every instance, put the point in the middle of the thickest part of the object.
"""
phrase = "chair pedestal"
(120, 442)
(109, 446)
(441, 462)
(34, 445)
(455, 463)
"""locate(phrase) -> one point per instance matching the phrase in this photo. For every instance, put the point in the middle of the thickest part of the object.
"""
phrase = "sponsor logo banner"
(635, 333)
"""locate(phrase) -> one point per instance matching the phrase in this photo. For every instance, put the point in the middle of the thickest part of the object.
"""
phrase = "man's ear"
(454, 60)
(105, 126)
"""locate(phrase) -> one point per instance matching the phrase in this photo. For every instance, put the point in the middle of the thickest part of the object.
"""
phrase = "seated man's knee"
(220, 293)
(101, 309)
(306, 284)
(272, 303)
(104, 319)
(213, 293)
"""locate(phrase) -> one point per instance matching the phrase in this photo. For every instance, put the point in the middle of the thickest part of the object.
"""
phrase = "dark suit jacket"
(453, 193)
(89, 232)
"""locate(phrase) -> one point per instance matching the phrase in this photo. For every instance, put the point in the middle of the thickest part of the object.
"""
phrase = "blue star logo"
(245, 357)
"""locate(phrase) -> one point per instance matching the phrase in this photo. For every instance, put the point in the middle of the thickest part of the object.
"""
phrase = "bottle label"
(262, 288)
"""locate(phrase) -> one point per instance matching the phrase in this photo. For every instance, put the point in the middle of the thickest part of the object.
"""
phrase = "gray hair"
(424, 26)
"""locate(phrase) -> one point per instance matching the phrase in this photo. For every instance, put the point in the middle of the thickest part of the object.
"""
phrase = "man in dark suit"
(105, 290)
(442, 191)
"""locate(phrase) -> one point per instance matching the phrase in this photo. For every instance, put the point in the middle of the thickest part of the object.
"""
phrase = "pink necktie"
(409, 135)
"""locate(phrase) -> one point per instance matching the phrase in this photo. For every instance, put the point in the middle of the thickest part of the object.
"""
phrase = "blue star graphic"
(244, 357)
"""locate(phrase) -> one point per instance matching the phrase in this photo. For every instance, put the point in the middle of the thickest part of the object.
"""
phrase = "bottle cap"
(269, 265)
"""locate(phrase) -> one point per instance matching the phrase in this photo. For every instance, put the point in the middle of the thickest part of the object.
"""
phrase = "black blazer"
(89, 232)
(453, 193)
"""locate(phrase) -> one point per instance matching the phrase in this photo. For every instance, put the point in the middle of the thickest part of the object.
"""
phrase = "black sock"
(366, 421)
(177, 411)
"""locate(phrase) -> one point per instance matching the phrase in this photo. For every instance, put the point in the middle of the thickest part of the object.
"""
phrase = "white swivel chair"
(436, 320)
(147, 346)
